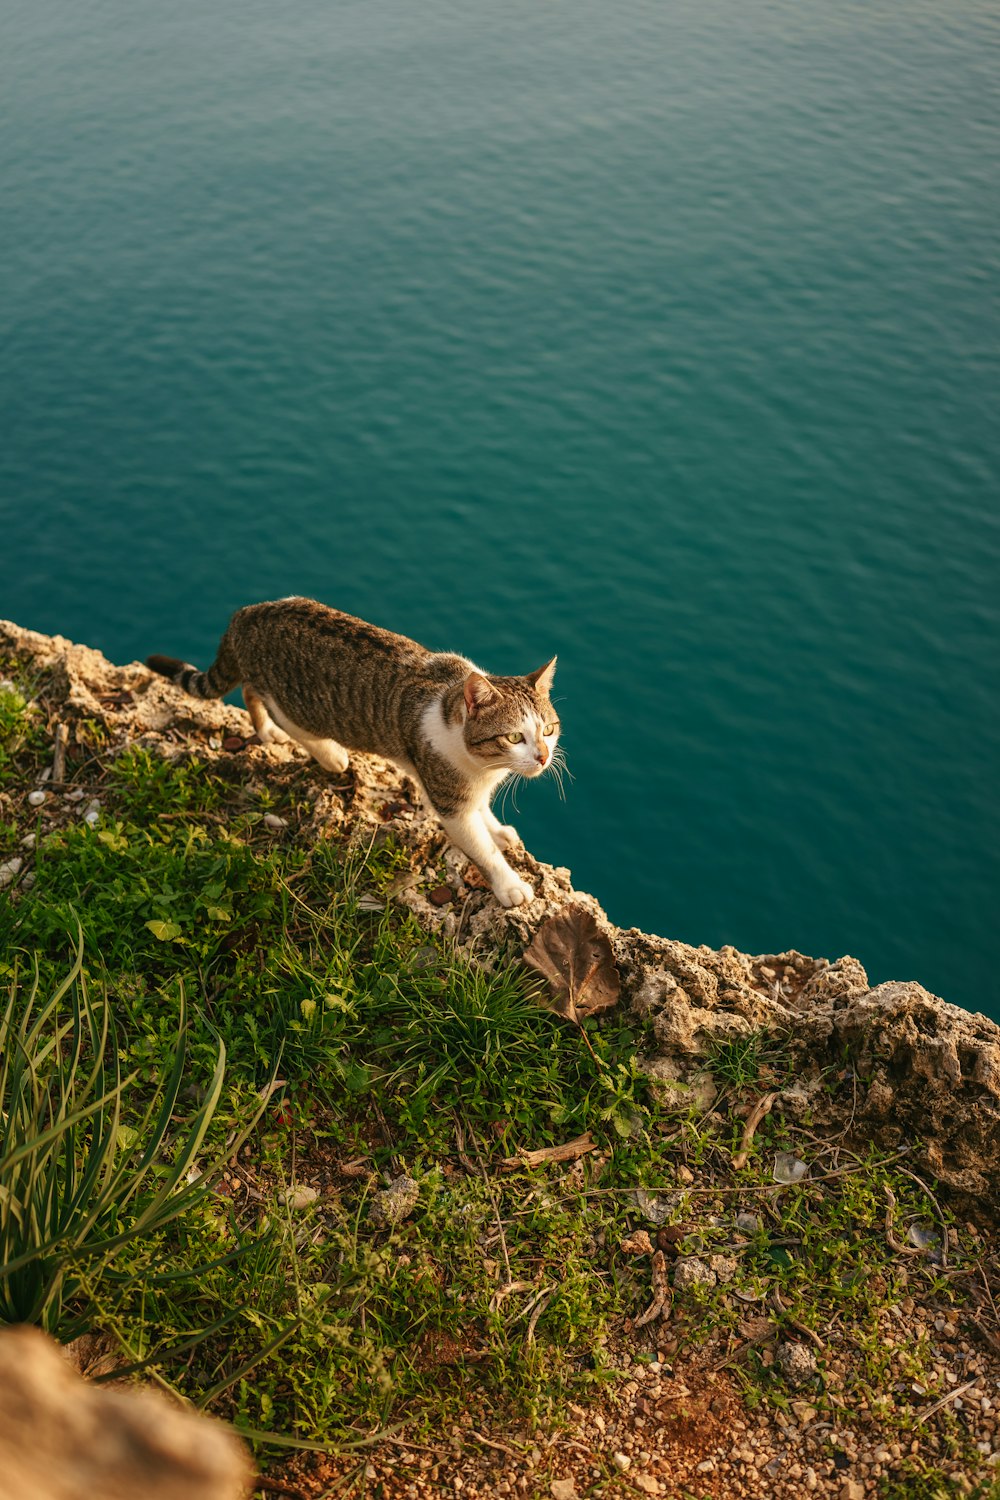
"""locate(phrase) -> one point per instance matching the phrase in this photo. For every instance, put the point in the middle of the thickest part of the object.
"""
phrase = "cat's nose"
(542, 757)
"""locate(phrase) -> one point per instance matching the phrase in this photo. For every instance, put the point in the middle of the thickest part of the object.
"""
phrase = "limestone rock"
(64, 1439)
(690, 1272)
(918, 1071)
(396, 1202)
(797, 1363)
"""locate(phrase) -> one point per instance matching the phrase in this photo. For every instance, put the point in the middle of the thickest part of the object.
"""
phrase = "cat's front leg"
(504, 835)
(469, 832)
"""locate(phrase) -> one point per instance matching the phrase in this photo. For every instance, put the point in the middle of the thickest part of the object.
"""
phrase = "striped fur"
(335, 683)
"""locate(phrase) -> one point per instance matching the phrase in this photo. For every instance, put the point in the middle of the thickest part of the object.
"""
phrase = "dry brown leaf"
(572, 953)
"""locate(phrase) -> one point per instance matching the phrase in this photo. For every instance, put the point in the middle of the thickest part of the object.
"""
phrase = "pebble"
(690, 1271)
(797, 1363)
(35, 799)
(76, 795)
(92, 813)
(10, 869)
(396, 1202)
(299, 1197)
(724, 1267)
(271, 820)
(621, 1462)
(29, 841)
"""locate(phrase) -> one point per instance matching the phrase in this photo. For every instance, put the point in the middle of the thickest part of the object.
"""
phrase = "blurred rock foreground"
(63, 1438)
(920, 1070)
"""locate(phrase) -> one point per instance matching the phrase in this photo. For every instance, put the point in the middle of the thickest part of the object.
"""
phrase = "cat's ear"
(541, 680)
(478, 693)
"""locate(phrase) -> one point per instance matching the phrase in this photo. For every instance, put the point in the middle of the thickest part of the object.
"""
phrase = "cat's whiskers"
(510, 790)
(560, 770)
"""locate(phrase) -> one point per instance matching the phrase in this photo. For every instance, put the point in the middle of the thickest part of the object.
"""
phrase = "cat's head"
(510, 723)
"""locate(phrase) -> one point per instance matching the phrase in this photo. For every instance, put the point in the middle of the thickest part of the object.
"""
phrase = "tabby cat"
(335, 683)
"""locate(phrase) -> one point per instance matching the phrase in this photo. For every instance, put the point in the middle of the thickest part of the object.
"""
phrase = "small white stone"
(273, 821)
(76, 795)
(92, 813)
(11, 869)
(29, 841)
(299, 1197)
(621, 1462)
(35, 799)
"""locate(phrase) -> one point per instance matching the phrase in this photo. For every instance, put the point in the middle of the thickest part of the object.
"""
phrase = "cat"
(335, 683)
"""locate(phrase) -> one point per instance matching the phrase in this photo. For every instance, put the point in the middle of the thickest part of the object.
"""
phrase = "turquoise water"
(660, 335)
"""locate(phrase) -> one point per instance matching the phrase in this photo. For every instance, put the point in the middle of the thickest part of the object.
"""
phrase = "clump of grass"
(78, 1186)
(746, 1061)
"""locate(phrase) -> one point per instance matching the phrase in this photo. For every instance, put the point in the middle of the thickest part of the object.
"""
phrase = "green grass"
(389, 1044)
(396, 1054)
(22, 737)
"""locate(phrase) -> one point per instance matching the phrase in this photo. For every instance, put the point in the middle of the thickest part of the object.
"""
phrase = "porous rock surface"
(920, 1070)
(62, 1438)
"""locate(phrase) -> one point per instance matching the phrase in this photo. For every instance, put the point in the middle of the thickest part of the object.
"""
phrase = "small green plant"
(76, 1185)
(21, 736)
(737, 1061)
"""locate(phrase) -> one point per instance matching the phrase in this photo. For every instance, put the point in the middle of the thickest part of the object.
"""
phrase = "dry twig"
(937, 1209)
(59, 753)
(661, 1292)
(802, 1328)
(760, 1109)
(932, 1411)
(890, 1232)
(571, 1151)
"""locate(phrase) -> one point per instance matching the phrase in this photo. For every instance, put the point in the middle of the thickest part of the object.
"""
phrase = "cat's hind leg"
(330, 754)
(265, 728)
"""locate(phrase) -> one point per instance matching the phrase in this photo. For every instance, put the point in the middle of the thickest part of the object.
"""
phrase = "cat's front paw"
(513, 891)
(506, 837)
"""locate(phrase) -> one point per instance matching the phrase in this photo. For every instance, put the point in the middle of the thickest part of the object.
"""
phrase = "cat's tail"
(222, 676)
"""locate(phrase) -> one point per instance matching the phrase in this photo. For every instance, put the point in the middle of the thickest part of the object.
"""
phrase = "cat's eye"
(549, 729)
(515, 737)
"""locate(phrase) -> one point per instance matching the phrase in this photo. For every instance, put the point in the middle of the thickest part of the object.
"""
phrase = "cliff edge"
(892, 1064)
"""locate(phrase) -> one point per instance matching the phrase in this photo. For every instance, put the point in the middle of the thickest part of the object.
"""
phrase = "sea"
(663, 335)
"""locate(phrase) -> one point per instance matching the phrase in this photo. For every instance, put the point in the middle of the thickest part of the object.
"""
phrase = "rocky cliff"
(892, 1063)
